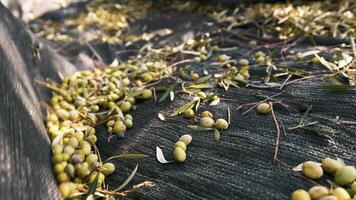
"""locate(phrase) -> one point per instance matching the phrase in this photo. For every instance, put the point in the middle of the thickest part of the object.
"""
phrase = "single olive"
(179, 154)
(189, 113)
(312, 170)
(264, 108)
(128, 123)
(90, 159)
(194, 76)
(201, 95)
(125, 106)
(119, 127)
(65, 189)
(330, 165)
(146, 94)
(221, 124)
(207, 114)
(300, 195)
(181, 145)
(341, 194)
(108, 169)
(317, 192)
(243, 62)
(206, 122)
(345, 175)
(222, 58)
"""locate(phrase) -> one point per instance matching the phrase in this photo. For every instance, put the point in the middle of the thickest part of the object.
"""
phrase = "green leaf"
(337, 87)
(129, 156)
(168, 90)
(320, 130)
(127, 180)
(201, 86)
(203, 79)
(216, 135)
(199, 128)
(93, 186)
(185, 107)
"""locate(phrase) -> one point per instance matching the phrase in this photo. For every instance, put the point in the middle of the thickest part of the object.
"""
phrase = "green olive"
(259, 54)
(128, 116)
(58, 168)
(206, 122)
(108, 169)
(189, 113)
(70, 170)
(261, 60)
(221, 124)
(128, 123)
(125, 106)
(253, 43)
(201, 95)
(341, 194)
(300, 195)
(86, 148)
(194, 76)
(330, 165)
(110, 123)
(345, 175)
(264, 108)
(179, 154)
(62, 177)
(243, 62)
(222, 58)
(57, 149)
(312, 170)
(90, 159)
(181, 145)
(83, 172)
(317, 192)
(73, 141)
(146, 94)
(207, 114)
(186, 139)
(57, 158)
(65, 189)
(119, 127)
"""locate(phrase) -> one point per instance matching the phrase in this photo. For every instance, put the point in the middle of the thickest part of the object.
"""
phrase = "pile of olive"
(344, 180)
(180, 147)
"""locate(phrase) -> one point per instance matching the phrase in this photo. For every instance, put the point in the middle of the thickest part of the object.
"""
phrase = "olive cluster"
(207, 121)
(81, 102)
(180, 147)
(344, 178)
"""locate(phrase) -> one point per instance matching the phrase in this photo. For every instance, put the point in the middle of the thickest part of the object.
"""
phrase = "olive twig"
(278, 133)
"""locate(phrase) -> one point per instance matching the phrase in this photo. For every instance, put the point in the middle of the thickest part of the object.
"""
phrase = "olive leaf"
(92, 188)
(128, 156)
(199, 128)
(161, 116)
(127, 180)
(203, 79)
(216, 135)
(160, 156)
(185, 107)
(168, 91)
(215, 102)
(201, 86)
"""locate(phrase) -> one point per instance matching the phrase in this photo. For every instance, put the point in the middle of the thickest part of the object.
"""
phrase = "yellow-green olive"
(207, 114)
(125, 106)
(128, 123)
(328, 197)
(261, 60)
(146, 94)
(90, 159)
(345, 175)
(221, 124)
(65, 189)
(264, 108)
(179, 154)
(253, 43)
(181, 145)
(108, 169)
(243, 62)
(194, 76)
(222, 58)
(312, 170)
(341, 194)
(330, 165)
(101, 177)
(317, 192)
(201, 95)
(206, 122)
(119, 127)
(300, 195)
(186, 139)
(189, 113)
(62, 177)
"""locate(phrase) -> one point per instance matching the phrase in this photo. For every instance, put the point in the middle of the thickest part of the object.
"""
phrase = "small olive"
(186, 139)
(181, 145)
(194, 76)
(207, 114)
(91, 158)
(128, 116)
(264, 108)
(222, 58)
(57, 149)
(189, 113)
(108, 168)
(68, 150)
(345, 175)
(206, 122)
(341, 194)
(70, 170)
(86, 148)
(110, 123)
(317, 192)
(201, 95)
(259, 54)
(128, 123)
(221, 124)
(261, 60)
(300, 195)
(57, 158)
(146, 94)
(101, 177)
(243, 62)
(83, 172)
(65, 189)
(62, 177)
(58, 168)
(119, 127)
(331, 165)
(76, 158)
(125, 106)
(353, 186)
(253, 43)
(179, 154)
(312, 170)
